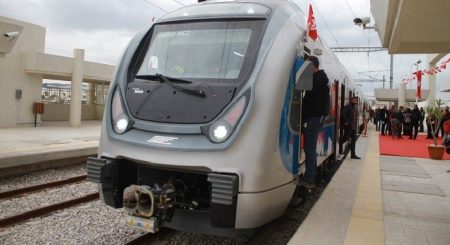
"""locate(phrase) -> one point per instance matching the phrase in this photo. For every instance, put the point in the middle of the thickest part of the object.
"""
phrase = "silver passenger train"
(201, 125)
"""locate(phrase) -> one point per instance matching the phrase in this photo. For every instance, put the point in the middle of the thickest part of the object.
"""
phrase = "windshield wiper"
(159, 77)
(170, 81)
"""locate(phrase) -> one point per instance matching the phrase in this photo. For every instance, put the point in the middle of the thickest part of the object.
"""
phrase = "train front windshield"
(207, 51)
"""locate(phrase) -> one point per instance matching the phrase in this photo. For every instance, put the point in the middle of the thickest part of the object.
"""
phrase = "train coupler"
(148, 207)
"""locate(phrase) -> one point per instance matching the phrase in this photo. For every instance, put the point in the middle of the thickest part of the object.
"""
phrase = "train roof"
(227, 9)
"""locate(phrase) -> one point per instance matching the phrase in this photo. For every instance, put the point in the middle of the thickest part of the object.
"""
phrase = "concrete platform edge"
(27, 159)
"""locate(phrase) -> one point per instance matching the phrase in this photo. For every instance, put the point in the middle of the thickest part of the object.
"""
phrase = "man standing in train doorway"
(350, 121)
(316, 106)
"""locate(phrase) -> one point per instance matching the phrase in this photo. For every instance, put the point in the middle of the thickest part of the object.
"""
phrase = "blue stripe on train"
(289, 143)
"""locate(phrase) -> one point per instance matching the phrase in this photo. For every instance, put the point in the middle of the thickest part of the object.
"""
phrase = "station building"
(413, 27)
(23, 67)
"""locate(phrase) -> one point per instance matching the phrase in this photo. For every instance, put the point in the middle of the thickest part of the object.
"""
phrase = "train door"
(303, 82)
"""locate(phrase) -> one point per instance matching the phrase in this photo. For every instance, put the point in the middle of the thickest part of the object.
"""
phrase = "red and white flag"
(419, 74)
(312, 31)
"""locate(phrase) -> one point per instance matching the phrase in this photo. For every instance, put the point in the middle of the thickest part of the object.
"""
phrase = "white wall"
(25, 67)
(13, 77)
(60, 112)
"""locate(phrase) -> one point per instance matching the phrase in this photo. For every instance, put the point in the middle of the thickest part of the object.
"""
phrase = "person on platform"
(366, 118)
(350, 122)
(407, 123)
(384, 117)
(415, 118)
(316, 104)
(422, 117)
(377, 119)
(390, 112)
(401, 118)
(445, 116)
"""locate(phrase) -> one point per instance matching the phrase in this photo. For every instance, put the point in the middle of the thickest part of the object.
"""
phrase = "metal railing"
(63, 95)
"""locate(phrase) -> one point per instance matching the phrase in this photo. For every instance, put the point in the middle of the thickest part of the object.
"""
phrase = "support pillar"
(432, 59)
(431, 85)
(401, 95)
(91, 87)
(76, 88)
(391, 73)
(101, 92)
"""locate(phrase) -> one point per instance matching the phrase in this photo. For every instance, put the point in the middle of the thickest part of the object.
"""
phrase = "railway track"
(42, 211)
(267, 235)
(40, 187)
(15, 219)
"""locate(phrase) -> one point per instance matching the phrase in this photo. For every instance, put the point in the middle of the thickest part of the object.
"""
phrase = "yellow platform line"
(366, 224)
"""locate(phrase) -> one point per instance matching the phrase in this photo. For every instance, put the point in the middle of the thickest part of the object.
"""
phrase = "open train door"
(304, 82)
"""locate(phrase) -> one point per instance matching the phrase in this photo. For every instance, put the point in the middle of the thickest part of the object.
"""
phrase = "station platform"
(30, 148)
(381, 200)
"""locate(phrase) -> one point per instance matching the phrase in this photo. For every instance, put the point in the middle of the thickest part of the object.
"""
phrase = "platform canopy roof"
(392, 95)
(412, 26)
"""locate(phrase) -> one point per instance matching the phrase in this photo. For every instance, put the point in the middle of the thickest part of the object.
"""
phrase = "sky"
(104, 27)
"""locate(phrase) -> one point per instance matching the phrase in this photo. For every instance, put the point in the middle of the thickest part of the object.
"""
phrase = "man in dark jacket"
(315, 108)
(401, 118)
(415, 118)
(350, 122)
(384, 117)
(422, 117)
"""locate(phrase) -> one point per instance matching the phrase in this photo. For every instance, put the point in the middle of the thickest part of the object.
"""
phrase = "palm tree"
(436, 113)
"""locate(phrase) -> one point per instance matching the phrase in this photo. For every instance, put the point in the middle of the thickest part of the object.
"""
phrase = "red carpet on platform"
(407, 147)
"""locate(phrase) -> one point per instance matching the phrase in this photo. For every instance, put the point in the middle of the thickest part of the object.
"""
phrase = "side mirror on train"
(304, 77)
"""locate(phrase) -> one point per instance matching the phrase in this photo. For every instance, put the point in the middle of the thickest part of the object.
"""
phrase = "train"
(202, 124)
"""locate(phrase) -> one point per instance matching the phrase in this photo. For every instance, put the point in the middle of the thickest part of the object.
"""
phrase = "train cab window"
(211, 59)
(202, 51)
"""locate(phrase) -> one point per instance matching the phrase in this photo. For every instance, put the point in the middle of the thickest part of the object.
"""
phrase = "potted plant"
(436, 151)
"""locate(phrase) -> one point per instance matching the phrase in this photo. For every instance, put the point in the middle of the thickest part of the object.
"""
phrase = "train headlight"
(120, 121)
(121, 125)
(221, 129)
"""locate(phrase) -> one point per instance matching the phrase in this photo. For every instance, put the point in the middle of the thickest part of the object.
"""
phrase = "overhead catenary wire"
(399, 62)
(156, 6)
(182, 4)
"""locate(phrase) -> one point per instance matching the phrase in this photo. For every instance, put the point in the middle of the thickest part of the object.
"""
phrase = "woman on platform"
(366, 116)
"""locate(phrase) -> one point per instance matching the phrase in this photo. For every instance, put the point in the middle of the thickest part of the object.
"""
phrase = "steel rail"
(46, 210)
(8, 194)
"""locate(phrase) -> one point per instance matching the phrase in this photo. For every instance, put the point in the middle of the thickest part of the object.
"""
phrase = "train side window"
(304, 77)
(294, 111)
(304, 82)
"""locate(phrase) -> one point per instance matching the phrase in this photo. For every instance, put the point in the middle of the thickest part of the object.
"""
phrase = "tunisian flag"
(312, 31)
(419, 74)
